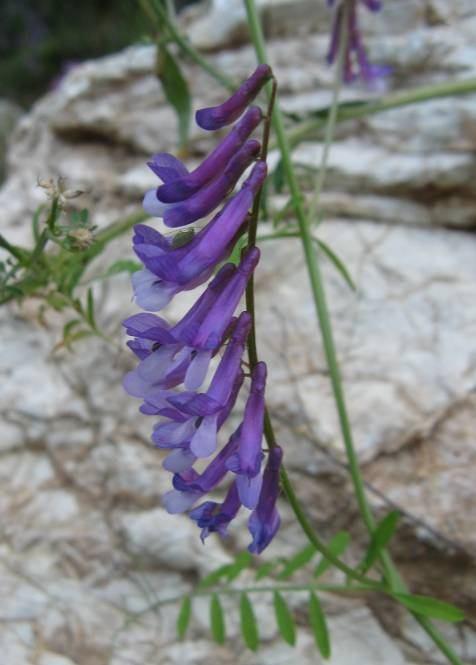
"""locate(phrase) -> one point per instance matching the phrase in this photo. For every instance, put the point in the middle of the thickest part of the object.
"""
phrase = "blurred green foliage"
(40, 39)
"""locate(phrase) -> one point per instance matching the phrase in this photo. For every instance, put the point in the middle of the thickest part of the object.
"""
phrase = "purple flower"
(166, 360)
(167, 167)
(264, 520)
(246, 461)
(207, 332)
(212, 516)
(217, 117)
(204, 409)
(190, 486)
(206, 199)
(355, 59)
(179, 440)
(182, 187)
(170, 269)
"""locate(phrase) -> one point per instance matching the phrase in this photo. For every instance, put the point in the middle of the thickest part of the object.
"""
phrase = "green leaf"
(381, 536)
(430, 607)
(175, 89)
(217, 620)
(35, 223)
(69, 327)
(318, 623)
(183, 618)
(338, 264)
(249, 627)
(297, 561)
(278, 177)
(90, 309)
(284, 619)
(242, 561)
(337, 545)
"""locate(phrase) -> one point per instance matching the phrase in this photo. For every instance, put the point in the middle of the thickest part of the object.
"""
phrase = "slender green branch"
(253, 359)
(235, 591)
(322, 311)
(353, 111)
(190, 50)
(252, 229)
(17, 252)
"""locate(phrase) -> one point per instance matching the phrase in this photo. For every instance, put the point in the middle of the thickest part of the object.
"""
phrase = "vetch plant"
(174, 360)
(189, 374)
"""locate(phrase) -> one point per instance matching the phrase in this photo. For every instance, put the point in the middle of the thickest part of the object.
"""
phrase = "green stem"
(233, 591)
(190, 50)
(17, 252)
(322, 311)
(304, 522)
(253, 360)
(392, 101)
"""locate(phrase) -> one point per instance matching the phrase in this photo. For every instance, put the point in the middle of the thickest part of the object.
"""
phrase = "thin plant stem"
(253, 360)
(233, 591)
(252, 230)
(310, 127)
(190, 50)
(320, 300)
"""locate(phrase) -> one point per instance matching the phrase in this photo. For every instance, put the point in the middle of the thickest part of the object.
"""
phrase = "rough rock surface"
(85, 542)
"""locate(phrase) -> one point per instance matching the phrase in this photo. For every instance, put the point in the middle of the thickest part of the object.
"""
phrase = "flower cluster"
(174, 360)
(355, 58)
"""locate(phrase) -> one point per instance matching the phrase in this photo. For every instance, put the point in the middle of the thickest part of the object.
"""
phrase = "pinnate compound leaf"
(217, 620)
(337, 545)
(90, 310)
(430, 607)
(318, 623)
(249, 627)
(284, 619)
(381, 536)
(297, 561)
(183, 618)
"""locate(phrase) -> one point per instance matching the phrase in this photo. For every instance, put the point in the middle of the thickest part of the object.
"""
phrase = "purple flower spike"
(209, 333)
(192, 263)
(217, 117)
(264, 520)
(355, 58)
(221, 386)
(183, 187)
(173, 360)
(247, 461)
(206, 199)
(211, 516)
